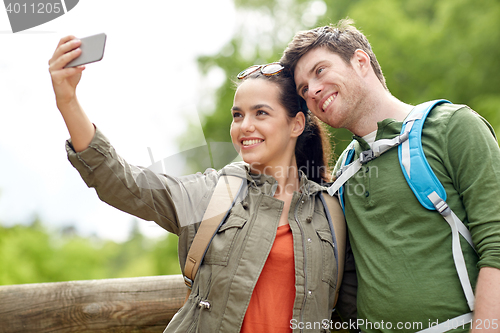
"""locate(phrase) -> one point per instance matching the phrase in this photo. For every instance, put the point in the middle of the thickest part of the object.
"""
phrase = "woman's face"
(261, 130)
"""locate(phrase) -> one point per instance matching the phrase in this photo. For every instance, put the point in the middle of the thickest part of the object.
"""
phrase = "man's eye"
(319, 70)
(237, 115)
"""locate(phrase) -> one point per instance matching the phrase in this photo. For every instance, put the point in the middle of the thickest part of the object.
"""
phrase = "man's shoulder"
(443, 112)
(459, 117)
(446, 112)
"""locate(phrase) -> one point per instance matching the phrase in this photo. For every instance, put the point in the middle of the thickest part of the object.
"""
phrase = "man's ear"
(361, 61)
(299, 123)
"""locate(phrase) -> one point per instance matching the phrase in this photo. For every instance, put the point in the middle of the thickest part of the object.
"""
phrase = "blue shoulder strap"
(432, 195)
(416, 169)
(348, 157)
(411, 157)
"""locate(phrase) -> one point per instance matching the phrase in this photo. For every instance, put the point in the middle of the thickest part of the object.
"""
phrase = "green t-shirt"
(406, 274)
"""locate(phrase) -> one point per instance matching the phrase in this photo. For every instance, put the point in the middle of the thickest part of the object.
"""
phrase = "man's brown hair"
(343, 39)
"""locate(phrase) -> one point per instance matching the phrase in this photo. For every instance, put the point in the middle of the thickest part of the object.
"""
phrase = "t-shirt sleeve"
(474, 155)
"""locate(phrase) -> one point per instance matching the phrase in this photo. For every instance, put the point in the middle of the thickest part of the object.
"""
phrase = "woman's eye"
(304, 91)
(236, 115)
(261, 112)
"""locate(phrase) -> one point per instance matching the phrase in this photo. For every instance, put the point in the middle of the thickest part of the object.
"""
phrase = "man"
(407, 280)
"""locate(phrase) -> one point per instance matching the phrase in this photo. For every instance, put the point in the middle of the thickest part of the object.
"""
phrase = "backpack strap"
(223, 198)
(429, 190)
(336, 221)
(412, 157)
(425, 185)
(349, 168)
(346, 160)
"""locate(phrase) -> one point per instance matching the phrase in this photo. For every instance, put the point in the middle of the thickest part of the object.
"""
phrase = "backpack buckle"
(366, 156)
(440, 205)
(188, 281)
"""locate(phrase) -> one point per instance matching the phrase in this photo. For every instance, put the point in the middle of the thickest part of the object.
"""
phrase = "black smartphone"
(92, 50)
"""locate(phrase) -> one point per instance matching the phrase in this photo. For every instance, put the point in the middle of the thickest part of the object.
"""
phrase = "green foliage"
(437, 49)
(32, 254)
(427, 49)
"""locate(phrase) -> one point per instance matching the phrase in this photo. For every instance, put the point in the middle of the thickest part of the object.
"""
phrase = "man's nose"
(314, 90)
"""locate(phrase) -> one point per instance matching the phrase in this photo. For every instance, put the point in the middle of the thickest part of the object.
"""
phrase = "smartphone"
(92, 50)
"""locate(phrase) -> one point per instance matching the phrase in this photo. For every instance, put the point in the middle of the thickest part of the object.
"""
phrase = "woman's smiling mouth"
(251, 142)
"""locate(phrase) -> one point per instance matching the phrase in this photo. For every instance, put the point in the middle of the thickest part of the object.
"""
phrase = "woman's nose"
(247, 125)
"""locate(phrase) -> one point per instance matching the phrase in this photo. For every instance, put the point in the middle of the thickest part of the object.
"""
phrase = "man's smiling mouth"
(328, 101)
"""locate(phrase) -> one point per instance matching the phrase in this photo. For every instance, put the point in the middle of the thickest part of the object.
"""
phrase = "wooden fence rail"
(144, 304)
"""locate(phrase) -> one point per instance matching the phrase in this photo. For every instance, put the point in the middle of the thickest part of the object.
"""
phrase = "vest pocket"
(328, 258)
(223, 241)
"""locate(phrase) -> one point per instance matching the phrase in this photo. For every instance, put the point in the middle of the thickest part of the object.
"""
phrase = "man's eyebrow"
(313, 68)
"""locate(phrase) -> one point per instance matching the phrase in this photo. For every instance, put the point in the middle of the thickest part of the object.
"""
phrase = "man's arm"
(487, 309)
(474, 160)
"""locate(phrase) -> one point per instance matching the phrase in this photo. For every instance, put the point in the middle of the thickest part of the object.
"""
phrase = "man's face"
(332, 89)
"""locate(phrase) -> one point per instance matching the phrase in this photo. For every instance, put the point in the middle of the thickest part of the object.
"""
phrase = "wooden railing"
(144, 304)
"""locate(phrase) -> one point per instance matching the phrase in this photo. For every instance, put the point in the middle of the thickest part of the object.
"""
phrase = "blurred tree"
(33, 254)
(427, 49)
(164, 256)
(437, 49)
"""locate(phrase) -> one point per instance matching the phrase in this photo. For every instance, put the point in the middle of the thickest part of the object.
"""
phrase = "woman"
(270, 267)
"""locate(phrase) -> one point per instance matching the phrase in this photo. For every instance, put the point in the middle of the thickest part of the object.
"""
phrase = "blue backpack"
(424, 184)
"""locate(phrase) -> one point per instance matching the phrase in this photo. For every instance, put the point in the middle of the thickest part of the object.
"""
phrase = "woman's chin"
(253, 163)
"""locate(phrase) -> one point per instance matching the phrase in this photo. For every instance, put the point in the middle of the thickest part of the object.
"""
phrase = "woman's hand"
(65, 80)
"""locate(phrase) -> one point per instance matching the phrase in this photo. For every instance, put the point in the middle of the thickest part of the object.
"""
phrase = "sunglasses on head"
(268, 70)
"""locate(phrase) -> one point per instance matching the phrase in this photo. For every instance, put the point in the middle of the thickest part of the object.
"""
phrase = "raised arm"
(64, 82)
(169, 201)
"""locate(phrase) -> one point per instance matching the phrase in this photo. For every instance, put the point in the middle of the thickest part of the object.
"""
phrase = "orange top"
(271, 305)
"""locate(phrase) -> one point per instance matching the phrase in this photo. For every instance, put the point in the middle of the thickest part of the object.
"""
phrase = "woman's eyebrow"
(254, 107)
(260, 106)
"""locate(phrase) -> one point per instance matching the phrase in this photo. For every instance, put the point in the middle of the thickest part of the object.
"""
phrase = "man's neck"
(384, 107)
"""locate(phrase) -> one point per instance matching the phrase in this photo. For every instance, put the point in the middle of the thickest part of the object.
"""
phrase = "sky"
(141, 95)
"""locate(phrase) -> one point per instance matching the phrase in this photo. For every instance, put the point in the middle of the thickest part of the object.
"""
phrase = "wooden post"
(144, 304)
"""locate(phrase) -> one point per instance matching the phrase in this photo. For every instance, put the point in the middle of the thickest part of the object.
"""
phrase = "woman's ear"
(299, 123)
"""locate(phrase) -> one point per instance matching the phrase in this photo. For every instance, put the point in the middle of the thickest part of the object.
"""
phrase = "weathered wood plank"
(144, 304)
